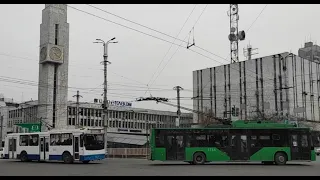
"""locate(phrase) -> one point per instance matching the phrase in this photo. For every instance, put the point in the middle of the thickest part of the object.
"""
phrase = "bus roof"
(79, 130)
(240, 124)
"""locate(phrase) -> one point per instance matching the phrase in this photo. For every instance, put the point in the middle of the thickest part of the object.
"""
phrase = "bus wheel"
(199, 158)
(24, 156)
(280, 158)
(85, 162)
(67, 158)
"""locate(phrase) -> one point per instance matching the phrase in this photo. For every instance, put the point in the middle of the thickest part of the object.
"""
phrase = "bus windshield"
(93, 141)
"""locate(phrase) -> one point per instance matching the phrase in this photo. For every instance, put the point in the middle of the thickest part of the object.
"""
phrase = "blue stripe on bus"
(92, 157)
(55, 157)
(33, 156)
(59, 157)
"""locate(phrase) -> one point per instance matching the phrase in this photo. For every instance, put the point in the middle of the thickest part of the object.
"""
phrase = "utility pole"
(105, 99)
(178, 88)
(77, 111)
(1, 128)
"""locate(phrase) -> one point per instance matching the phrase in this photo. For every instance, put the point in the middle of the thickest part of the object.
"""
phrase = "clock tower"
(53, 66)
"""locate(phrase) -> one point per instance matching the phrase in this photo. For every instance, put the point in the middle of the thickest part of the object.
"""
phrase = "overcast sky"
(136, 58)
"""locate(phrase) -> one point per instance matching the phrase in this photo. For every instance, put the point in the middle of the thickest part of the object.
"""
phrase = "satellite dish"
(232, 37)
(234, 9)
(241, 35)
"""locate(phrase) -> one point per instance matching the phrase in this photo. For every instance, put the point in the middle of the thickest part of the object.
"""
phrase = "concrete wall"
(51, 15)
(279, 84)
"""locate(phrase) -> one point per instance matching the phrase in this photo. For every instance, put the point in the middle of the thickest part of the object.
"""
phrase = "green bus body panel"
(313, 155)
(212, 154)
(267, 153)
(159, 154)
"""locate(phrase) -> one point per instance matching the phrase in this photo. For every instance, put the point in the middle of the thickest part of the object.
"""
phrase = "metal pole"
(1, 128)
(178, 88)
(147, 135)
(77, 111)
(105, 101)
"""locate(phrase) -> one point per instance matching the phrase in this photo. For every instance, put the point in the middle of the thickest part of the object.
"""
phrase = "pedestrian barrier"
(128, 152)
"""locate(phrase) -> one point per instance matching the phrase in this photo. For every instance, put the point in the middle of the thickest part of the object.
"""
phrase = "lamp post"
(105, 101)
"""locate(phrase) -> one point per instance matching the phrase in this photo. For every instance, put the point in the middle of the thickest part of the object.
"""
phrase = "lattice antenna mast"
(235, 35)
(249, 51)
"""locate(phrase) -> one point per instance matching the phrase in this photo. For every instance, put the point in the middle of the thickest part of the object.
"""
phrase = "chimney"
(308, 44)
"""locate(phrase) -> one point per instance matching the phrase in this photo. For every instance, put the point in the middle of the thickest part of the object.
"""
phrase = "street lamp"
(105, 62)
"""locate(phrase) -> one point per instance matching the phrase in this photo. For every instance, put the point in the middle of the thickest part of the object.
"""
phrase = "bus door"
(300, 145)
(76, 145)
(175, 147)
(44, 148)
(239, 147)
(12, 148)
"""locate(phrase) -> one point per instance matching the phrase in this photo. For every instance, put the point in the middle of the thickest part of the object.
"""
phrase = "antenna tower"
(249, 51)
(234, 35)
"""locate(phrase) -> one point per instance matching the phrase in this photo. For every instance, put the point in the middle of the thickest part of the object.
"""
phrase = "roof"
(127, 139)
(240, 124)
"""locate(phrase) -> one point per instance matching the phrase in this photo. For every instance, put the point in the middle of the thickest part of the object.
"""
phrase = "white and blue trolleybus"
(69, 145)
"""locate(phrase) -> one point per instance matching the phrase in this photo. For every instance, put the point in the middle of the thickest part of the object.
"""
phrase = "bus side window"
(276, 137)
(34, 140)
(81, 140)
(24, 139)
(304, 141)
(159, 139)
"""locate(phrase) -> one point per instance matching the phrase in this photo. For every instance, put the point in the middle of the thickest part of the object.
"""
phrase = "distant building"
(310, 51)
(128, 126)
(6, 105)
(280, 86)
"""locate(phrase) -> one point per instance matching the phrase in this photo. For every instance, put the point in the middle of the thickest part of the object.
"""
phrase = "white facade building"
(131, 123)
(282, 86)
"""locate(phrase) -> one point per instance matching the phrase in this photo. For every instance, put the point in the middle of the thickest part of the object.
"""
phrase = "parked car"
(1, 153)
(317, 151)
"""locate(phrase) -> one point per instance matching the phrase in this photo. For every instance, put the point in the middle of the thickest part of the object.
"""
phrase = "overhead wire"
(178, 47)
(171, 45)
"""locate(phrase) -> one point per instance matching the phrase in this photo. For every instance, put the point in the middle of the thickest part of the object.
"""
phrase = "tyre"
(280, 158)
(199, 158)
(85, 162)
(67, 158)
(24, 156)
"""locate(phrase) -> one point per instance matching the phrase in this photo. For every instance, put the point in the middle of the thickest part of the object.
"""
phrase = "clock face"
(55, 53)
(43, 53)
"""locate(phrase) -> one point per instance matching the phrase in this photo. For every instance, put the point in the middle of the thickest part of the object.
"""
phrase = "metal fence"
(128, 152)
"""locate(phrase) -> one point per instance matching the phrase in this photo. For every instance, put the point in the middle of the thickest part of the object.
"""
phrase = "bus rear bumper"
(92, 157)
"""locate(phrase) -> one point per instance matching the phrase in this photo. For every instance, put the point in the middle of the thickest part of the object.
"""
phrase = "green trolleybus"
(269, 143)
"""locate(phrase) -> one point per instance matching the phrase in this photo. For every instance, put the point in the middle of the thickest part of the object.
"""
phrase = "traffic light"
(233, 111)
(237, 112)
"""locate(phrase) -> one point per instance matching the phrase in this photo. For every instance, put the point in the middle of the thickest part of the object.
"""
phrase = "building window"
(69, 122)
(56, 34)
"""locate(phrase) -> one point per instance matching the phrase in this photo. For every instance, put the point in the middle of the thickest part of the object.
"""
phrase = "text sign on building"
(32, 127)
(115, 103)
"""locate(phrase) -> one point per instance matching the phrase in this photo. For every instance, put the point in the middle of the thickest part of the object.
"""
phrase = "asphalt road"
(141, 167)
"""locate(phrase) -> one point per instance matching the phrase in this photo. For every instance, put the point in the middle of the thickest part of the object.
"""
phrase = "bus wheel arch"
(280, 158)
(67, 157)
(24, 156)
(199, 157)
